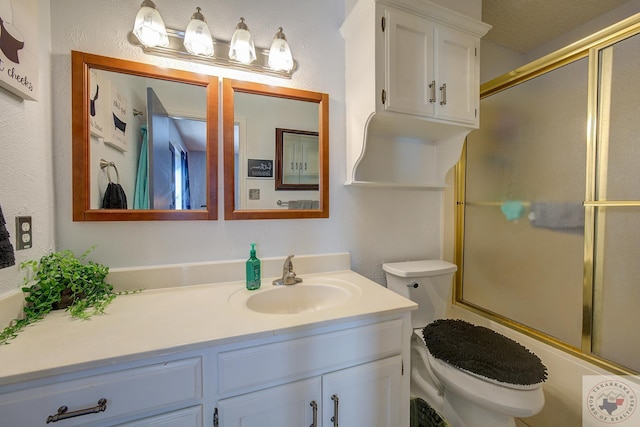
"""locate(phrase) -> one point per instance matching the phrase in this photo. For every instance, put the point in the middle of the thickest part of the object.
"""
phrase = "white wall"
(26, 175)
(374, 225)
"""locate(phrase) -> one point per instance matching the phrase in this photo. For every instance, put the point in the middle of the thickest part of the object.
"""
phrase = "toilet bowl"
(464, 398)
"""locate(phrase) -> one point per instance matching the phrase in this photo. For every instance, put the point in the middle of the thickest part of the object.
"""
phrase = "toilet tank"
(426, 282)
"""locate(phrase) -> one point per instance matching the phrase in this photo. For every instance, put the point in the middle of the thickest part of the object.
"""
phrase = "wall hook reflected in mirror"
(107, 165)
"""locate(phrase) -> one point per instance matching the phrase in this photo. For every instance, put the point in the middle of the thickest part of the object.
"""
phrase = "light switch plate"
(23, 232)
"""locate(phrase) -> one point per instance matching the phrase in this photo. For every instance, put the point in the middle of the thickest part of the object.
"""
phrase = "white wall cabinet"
(430, 69)
(300, 159)
(412, 91)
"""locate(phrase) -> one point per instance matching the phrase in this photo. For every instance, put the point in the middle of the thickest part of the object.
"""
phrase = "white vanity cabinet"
(167, 392)
(353, 377)
(431, 69)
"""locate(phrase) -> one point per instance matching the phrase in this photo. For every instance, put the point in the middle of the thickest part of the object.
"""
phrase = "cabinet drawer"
(190, 417)
(130, 393)
(265, 365)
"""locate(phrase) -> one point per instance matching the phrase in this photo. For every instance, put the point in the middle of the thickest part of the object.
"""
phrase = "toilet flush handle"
(413, 285)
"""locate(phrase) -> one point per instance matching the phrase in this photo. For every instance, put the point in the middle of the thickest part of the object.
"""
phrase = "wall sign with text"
(19, 47)
(260, 168)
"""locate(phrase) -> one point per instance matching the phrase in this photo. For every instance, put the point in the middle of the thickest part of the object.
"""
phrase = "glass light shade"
(280, 58)
(241, 48)
(149, 26)
(197, 37)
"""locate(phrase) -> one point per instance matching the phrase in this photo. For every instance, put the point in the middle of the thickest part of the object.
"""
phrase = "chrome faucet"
(288, 275)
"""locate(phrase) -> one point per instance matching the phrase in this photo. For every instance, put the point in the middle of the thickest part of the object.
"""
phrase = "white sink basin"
(311, 295)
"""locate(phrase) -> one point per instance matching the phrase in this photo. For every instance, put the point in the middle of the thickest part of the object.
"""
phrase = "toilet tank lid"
(429, 267)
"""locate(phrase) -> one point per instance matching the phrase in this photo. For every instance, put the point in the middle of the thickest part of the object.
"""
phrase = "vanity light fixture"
(149, 26)
(197, 37)
(280, 54)
(242, 48)
(196, 44)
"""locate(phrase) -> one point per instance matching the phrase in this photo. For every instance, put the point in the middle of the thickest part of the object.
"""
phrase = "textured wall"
(26, 186)
(375, 225)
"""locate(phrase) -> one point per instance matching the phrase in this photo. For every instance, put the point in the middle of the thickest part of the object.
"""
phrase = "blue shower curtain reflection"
(141, 196)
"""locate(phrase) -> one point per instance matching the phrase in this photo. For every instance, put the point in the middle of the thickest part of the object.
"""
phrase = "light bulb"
(241, 48)
(280, 58)
(149, 26)
(197, 37)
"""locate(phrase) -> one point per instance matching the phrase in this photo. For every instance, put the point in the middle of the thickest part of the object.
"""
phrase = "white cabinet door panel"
(368, 395)
(287, 405)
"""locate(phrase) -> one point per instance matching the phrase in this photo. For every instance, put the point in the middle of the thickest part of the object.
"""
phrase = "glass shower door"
(524, 219)
(616, 298)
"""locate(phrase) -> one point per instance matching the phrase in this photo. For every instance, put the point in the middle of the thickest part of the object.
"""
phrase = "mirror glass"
(144, 141)
(266, 129)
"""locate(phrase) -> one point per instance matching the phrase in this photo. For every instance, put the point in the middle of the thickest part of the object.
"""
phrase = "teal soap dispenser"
(253, 270)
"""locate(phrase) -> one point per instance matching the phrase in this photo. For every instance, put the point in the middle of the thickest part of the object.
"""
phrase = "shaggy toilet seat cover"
(483, 352)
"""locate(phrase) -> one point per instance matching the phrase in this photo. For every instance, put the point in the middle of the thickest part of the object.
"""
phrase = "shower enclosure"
(549, 200)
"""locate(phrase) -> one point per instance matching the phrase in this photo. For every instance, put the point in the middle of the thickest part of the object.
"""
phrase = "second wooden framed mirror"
(253, 114)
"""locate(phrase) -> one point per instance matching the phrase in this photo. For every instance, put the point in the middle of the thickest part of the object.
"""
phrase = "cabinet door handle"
(336, 402)
(443, 90)
(63, 414)
(432, 92)
(314, 405)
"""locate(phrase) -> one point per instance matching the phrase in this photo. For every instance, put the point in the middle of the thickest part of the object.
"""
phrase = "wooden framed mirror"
(149, 132)
(252, 115)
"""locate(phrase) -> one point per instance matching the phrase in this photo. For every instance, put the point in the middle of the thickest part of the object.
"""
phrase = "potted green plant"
(61, 280)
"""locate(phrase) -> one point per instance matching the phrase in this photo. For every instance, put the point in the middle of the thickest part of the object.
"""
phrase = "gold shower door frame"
(597, 150)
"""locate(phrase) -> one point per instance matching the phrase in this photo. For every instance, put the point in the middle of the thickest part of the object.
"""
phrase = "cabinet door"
(365, 395)
(410, 82)
(457, 78)
(288, 405)
(309, 158)
(290, 159)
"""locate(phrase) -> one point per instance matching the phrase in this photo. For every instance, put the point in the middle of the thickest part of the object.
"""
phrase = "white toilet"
(464, 399)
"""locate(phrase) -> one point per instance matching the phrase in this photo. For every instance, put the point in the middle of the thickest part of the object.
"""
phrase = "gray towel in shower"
(567, 217)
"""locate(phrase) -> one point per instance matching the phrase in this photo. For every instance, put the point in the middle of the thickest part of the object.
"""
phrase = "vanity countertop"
(155, 321)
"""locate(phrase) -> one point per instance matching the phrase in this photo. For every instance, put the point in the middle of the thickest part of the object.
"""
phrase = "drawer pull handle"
(314, 405)
(63, 414)
(336, 402)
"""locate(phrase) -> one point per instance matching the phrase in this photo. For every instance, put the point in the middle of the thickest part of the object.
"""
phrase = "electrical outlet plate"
(23, 232)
